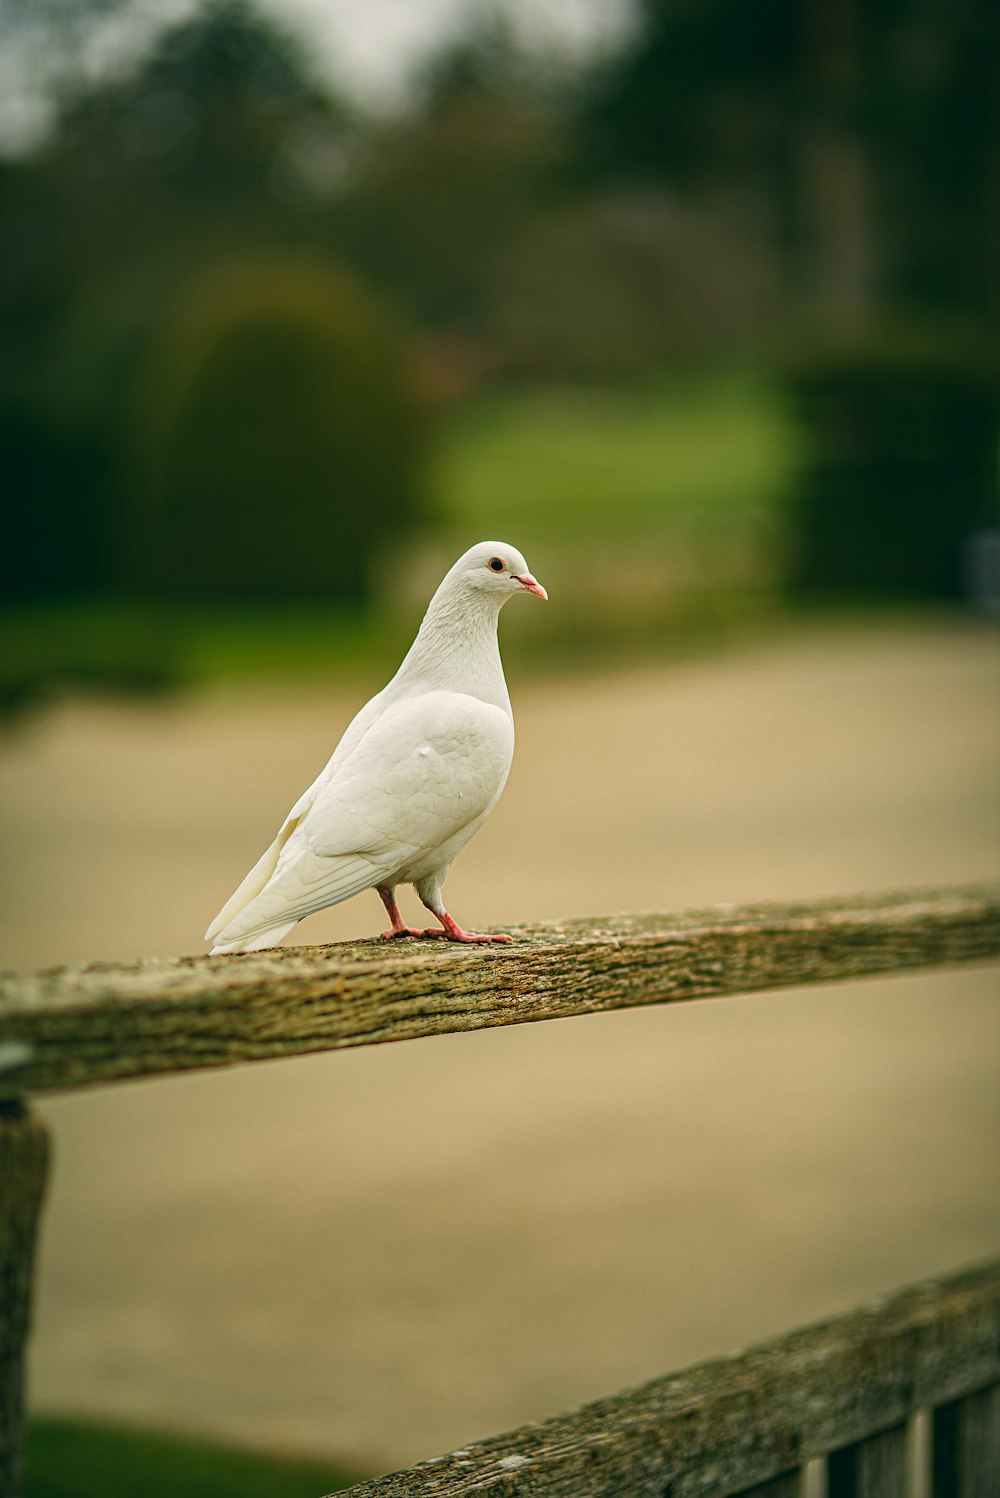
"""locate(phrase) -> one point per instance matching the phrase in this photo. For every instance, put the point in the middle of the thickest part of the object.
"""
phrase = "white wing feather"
(405, 785)
(265, 866)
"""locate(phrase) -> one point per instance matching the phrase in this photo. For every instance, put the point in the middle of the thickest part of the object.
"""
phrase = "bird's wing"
(431, 765)
(264, 868)
(268, 862)
(425, 769)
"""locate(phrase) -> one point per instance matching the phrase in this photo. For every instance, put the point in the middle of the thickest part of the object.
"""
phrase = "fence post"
(24, 1157)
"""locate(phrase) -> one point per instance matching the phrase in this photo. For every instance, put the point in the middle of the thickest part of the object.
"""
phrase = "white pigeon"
(417, 772)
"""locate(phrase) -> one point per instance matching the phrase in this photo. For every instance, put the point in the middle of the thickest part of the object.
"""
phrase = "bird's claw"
(472, 936)
(435, 933)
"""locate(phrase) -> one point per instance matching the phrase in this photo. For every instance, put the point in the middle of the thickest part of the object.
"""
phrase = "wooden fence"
(896, 1400)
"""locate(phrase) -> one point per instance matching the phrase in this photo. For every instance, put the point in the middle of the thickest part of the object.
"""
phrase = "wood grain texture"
(967, 1446)
(24, 1155)
(788, 1485)
(727, 1425)
(875, 1468)
(979, 1444)
(96, 1022)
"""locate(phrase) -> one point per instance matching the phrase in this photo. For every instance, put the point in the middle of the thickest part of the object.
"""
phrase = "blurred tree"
(867, 135)
(279, 439)
(866, 132)
(901, 462)
(475, 159)
(613, 284)
(218, 141)
(47, 46)
(217, 138)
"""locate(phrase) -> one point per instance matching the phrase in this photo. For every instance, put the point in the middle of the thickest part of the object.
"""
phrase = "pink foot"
(399, 931)
(473, 936)
(470, 936)
(453, 931)
(432, 933)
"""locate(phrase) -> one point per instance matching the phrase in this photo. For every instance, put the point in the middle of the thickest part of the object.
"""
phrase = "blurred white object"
(417, 772)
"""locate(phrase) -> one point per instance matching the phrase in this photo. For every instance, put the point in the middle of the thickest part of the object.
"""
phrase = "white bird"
(417, 772)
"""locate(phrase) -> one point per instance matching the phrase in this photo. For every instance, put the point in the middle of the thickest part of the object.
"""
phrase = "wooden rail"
(842, 1392)
(100, 1022)
(847, 1387)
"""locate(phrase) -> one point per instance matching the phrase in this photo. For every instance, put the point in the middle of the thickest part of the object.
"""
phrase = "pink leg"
(399, 927)
(452, 930)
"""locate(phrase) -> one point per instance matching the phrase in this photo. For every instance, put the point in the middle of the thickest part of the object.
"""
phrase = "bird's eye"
(496, 564)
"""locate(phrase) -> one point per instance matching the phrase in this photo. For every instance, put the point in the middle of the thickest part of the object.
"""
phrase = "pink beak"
(532, 585)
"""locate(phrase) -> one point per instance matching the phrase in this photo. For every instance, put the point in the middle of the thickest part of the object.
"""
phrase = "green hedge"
(900, 446)
(278, 441)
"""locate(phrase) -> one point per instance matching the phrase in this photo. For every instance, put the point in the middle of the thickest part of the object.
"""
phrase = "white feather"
(415, 775)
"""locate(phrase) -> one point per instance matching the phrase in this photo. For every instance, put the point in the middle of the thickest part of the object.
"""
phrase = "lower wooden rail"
(844, 1392)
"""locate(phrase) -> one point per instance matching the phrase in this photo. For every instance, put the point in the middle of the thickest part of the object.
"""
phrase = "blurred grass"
(621, 465)
(669, 499)
(82, 1459)
(655, 515)
(125, 645)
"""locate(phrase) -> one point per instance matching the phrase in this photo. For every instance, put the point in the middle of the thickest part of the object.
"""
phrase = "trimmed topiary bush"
(280, 442)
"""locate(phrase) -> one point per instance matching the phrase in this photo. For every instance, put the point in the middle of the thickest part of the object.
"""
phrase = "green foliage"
(584, 468)
(51, 474)
(618, 285)
(150, 178)
(653, 514)
(77, 1459)
(899, 434)
(279, 440)
(87, 644)
(443, 193)
(210, 113)
(865, 133)
(670, 500)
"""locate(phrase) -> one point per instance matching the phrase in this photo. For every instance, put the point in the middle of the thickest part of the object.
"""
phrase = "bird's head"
(498, 570)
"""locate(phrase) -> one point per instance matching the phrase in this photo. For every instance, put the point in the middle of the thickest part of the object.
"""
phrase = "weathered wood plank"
(875, 1468)
(24, 1153)
(788, 1485)
(967, 1446)
(919, 1434)
(96, 1022)
(979, 1444)
(729, 1424)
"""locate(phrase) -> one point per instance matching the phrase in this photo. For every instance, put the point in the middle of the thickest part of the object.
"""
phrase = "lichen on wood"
(732, 1425)
(87, 1023)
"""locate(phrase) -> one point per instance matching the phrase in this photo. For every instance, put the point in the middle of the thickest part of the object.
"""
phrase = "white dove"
(417, 772)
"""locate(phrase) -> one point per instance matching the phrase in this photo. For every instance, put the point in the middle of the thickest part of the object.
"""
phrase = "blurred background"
(694, 303)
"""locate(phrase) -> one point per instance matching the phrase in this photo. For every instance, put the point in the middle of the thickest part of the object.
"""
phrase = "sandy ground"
(385, 1254)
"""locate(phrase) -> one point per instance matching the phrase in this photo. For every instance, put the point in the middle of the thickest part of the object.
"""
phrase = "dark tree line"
(733, 170)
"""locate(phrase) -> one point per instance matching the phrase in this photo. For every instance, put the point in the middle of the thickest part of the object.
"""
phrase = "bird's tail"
(253, 883)
(299, 883)
(257, 943)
